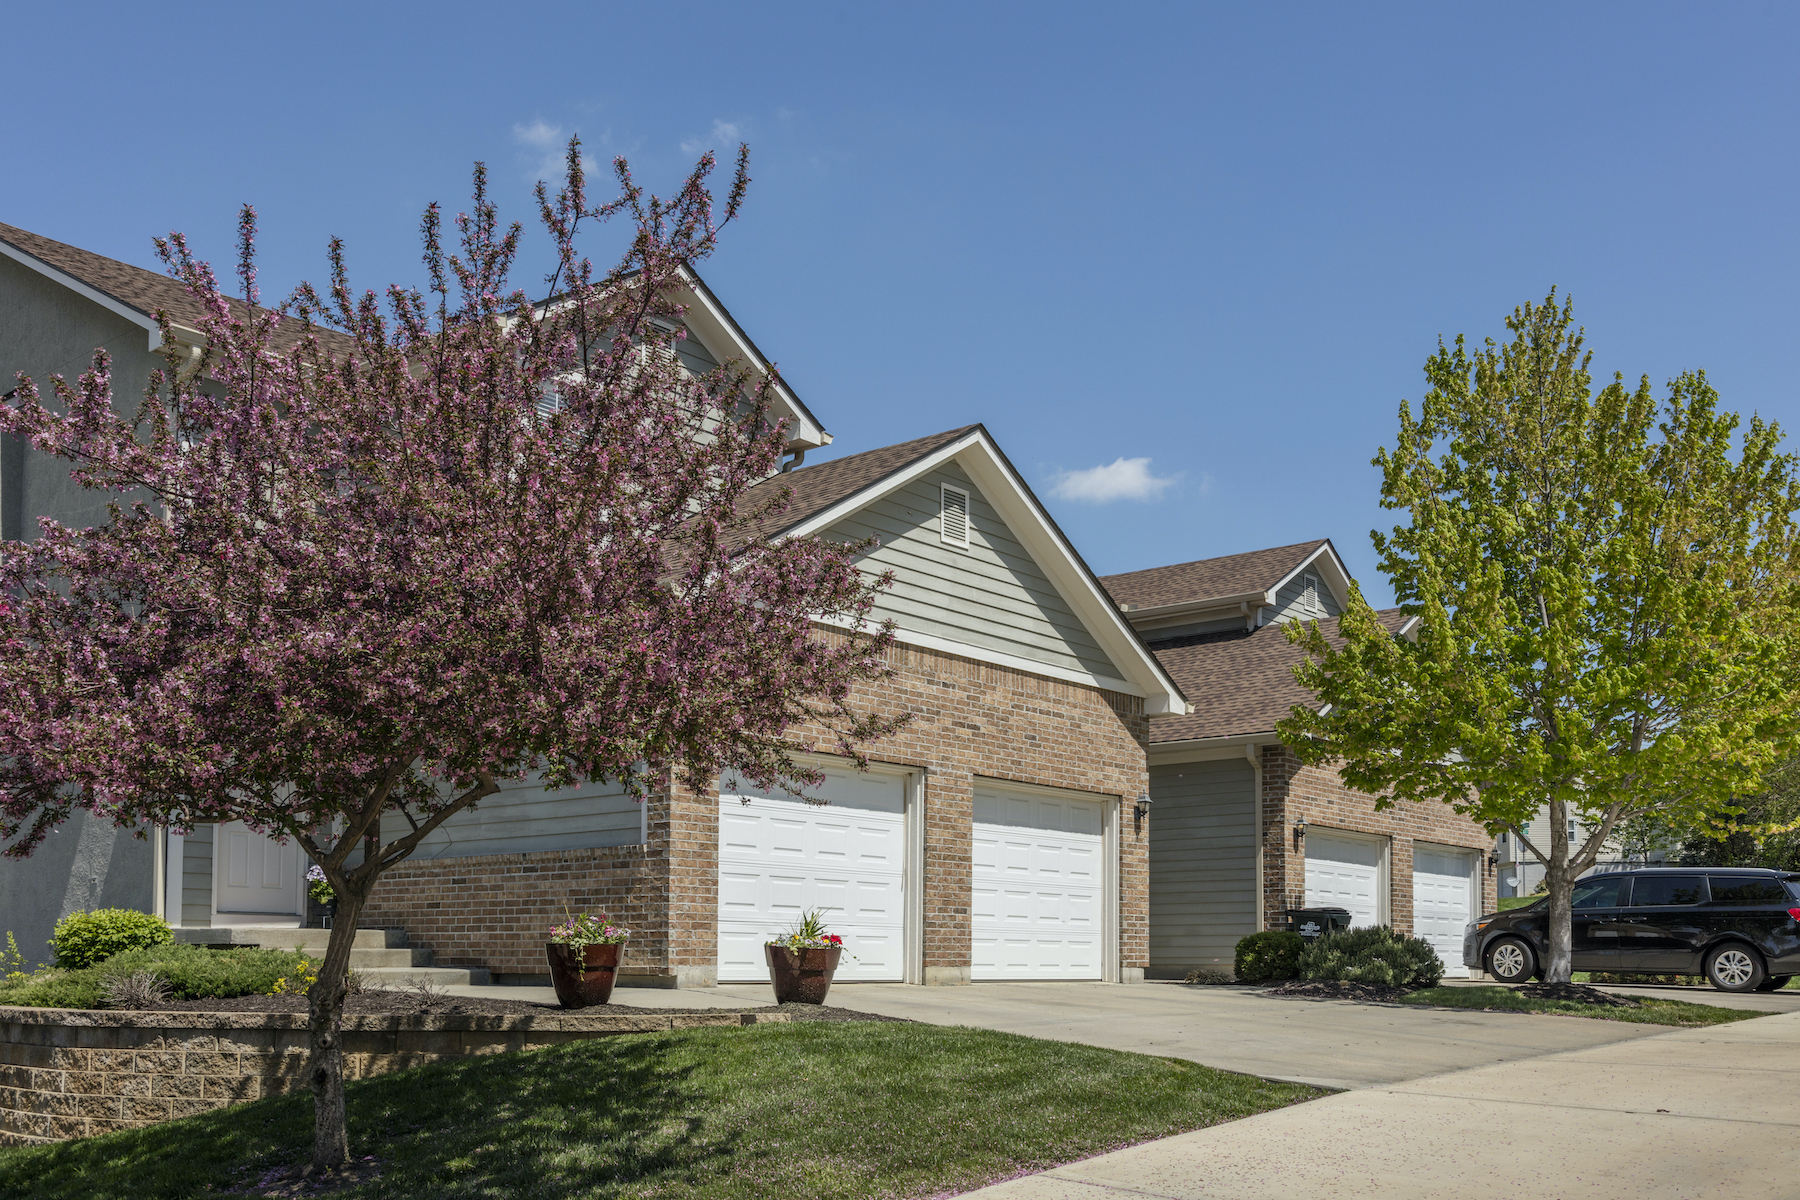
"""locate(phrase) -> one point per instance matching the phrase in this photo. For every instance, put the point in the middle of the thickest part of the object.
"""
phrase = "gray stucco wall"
(45, 330)
(1202, 864)
(85, 864)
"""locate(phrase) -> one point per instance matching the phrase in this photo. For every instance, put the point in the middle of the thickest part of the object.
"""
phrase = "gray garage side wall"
(1202, 864)
(87, 863)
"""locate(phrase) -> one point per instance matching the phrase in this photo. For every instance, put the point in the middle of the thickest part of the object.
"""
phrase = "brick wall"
(969, 719)
(1291, 790)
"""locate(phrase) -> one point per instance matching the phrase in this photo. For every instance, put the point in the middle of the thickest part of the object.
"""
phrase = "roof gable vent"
(953, 516)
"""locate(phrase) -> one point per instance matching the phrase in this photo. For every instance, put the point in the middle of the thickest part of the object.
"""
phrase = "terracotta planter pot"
(585, 981)
(801, 976)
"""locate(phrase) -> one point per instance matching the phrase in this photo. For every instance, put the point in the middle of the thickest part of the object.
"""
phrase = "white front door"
(780, 857)
(1344, 872)
(255, 874)
(1443, 903)
(1037, 872)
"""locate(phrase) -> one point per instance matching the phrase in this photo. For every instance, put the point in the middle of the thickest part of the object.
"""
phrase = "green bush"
(1373, 954)
(192, 973)
(1271, 954)
(82, 939)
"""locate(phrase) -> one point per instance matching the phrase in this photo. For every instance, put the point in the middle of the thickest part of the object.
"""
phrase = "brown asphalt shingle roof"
(145, 291)
(1231, 575)
(817, 488)
(1239, 681)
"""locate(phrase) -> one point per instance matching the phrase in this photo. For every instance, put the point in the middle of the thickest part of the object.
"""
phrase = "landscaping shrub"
(1373, 954)
(1271, 954)
(82, 939)
(184, 972)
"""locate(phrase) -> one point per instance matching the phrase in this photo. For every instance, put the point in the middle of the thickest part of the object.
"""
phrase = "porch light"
(1300, 828)
(1143, 806)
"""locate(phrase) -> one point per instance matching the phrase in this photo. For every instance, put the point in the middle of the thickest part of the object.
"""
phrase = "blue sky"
(1218, 239)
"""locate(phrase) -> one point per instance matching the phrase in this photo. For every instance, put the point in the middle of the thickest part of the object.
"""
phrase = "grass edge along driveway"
(820, 1109)
(1653, 1011)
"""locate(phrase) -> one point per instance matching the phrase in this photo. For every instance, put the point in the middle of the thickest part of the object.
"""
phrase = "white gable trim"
(725, 340)
(1031, 666)
(976, 453)
(85, 291)
(1324, 563)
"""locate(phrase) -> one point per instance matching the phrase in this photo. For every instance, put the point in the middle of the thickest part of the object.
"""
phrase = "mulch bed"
(1578, 993)
(396, 1001)
(1336, 989)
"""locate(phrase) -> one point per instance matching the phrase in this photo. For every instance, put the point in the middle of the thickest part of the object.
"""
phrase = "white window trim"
(945, 491)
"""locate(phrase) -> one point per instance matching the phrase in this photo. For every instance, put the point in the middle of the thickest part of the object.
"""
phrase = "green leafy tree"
(1605, 584)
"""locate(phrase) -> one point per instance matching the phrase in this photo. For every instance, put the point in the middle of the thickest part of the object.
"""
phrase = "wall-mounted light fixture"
(1143, 806)
(1299, 832)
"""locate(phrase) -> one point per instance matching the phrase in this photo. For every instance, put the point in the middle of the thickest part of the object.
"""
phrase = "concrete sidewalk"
(1691, 1113)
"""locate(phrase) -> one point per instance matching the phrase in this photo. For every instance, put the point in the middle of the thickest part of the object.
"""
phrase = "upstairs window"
(953, 517)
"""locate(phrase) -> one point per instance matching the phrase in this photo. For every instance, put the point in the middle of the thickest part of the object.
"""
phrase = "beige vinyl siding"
(1202, 864)
(197, 877)
(991, 595)
(1288, 604)
(526, 817)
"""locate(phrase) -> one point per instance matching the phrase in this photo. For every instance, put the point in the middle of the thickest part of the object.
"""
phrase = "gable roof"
(1240, 681)
(133, 292)
(824, 494)
(1227, 578)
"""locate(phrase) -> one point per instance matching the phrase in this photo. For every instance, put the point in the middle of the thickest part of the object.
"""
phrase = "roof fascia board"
(110, 303)
(1259, 597)
(1336, 577)
(998, 658)
(976, 453)
(1033, 526)
(808, 432)
(1203, 749)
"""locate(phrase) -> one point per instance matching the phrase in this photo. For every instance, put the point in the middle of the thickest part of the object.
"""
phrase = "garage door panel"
(1035, 903)
(781, 857)
(1443, 902)
(1344, 873)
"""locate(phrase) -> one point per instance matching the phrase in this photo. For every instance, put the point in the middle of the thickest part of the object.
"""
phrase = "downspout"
(1253, 752)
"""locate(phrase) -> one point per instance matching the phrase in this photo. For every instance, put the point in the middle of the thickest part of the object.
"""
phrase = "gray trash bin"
(1314, 923)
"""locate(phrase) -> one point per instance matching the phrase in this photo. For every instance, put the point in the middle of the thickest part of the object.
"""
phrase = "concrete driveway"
(1682, 1115)
(1325, 1042)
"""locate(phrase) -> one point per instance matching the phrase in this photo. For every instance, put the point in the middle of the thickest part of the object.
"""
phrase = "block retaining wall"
(67, 1073)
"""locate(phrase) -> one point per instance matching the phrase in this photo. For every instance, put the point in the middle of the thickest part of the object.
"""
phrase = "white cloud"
(547, 147)
(724, 135)
(1121, 479)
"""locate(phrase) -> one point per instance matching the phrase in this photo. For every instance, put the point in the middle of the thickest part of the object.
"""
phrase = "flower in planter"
(586, 930)
(316, 887)
(809, 934)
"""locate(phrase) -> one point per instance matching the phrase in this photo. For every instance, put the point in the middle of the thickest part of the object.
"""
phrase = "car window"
(1649, 890)
(1735, 889)
(1598, 893)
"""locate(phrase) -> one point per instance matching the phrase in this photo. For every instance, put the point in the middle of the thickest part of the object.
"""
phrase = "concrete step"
(313, 941)
(404, 956)
(405, 977)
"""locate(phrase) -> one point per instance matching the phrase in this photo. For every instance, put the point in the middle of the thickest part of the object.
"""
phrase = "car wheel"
(1510, 960)
(1773, 983)
(1735, 967)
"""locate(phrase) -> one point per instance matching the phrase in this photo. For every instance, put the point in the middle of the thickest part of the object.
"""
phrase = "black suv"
(1738, 926)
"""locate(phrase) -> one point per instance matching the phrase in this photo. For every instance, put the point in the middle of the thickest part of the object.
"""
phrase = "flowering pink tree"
(367, 560)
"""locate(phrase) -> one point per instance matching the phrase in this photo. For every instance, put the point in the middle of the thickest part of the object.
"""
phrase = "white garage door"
(1442, 903)
(1035, 904)
(780, 857)
(1343, 872)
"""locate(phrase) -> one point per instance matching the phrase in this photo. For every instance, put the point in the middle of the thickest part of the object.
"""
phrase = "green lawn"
(808, 1110)
(1653, 1012)
(1508, 903)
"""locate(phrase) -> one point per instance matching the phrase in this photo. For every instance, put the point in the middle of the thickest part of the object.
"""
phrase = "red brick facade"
(970, 720)
(1291, 791)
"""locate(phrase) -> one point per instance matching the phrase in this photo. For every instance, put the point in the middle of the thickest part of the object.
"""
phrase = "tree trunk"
(325, 1067)
(1560, 886)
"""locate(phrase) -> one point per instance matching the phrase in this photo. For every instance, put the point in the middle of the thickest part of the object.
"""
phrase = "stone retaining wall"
(67, 1073)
